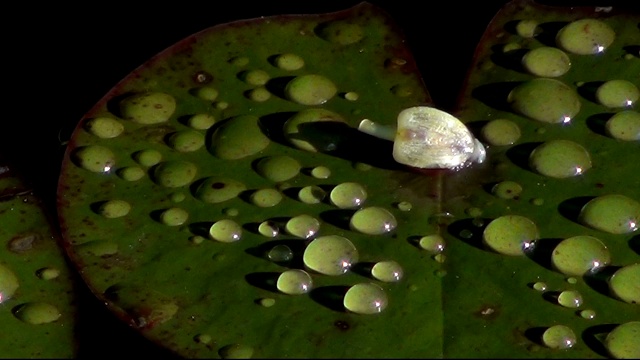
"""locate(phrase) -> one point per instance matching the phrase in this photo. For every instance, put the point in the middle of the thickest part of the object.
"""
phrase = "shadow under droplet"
(495, 95)
(339, 218)
(597, 122)
(599, 280)
(511, 59)
(542, 251)
(594, 337)
(264, 280)
(468, 231)
(519, 154)
(200, 228)
(535, 334)
(331, 297)
(571, 208)
(297, 251)
(549, 31)
(588, 90)
(273, 124)
(363, 268)
(634, 244)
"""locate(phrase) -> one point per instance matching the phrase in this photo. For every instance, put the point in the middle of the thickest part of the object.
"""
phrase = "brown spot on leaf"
(23, 242)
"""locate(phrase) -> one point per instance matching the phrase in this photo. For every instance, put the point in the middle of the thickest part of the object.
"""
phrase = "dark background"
(59, 61)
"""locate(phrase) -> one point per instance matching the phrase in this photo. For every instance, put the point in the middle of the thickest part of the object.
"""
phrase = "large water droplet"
(294, 282)
(104, 127)
(624, 125)
(225, 230)
(559, 337)
(373, 220)
(37, 313)
(311, 89)
(625, 283)
(510, 234)
(238, 137)
(8, 283)
(501, 132)
(280, 253)
(348, 195)
(148, 108)
(613, 213)
(174, 174)
(215, 190)
(330, 255)
(387, 271)
(95, 158)
(278, 168)
(622, 341)
(579, 255)
(365, 298)
(546, 100)
(299, 129)
(303, 226)
(560, 159)
(546, 61)
(617, 93)
(585, 37)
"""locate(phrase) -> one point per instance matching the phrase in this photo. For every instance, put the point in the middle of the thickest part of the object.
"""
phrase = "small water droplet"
(173, 174)
(186, 140)
(197, 239)
(330, 255)
(546, 61)
(267, 302)
(131, 173)
(365, 298)
(559, 337)
(259, 94)
(585, 37)
(579, 255)
(147, 157)
(588, 314)
(510, 234)
(373, 220)
(387, 271)
(215, 190)
(404, 206)
(340, 32)
(225, 230)
(294, 282)
(321, 172)
(206, 93)
(201, 121)
(289, 62)
(8, 283)
(624, 283)
(239, 61)
(95, 158)
(148, 108)
(203, 338)
(348, 195)
(236, 351)
(546, 100)
(310, 89)
(617, 93)
(433, 243)
(280, 253)
(238, 137)
(507, 190)
(540, 286)
(612, 213)
(303, 226)
(104, 127)
(37, 313)
(622, 341)
(440, 258)
(267, 197)
(268, 229)
(624, 125)
(570, 299)
(114, 208)
(351, 96)
(527, 28)
(174, 216)
(99, 247)
(560, 159)
(312, 194)
(278, 168)
(501, 132)
(46, 273)
(255, 77)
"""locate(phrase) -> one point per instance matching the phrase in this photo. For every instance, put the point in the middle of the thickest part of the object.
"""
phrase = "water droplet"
(215, 190)
(289, 62)
(303, 226)
(559, 337)
(404, 206)
(507, 190)
(365, 298)
(510, 234)
(310, 89)
(201, 121)
(186, 140)
(585, 37)
(174, 216)
(474, 212)
(95, 158)
(560, 159)
(114, 208)
(225, 230)
(617, 93)
(280, 253)
(255, 77)
(221, 105)
(546, 100)
(330, 255)
(351, 96)
(173, 174)
(433, 243)
(231, 211)
(148, 108)
(537, 201)
(579, 255)
(239, 61)
(570, 299)
(177, 197)
(625, 283)
(206, 93)
(311, 194)
(259, 94)
(99, 247)
(238, 138)
(298, 129)
(294, 282)
(546, 61)
(501, 132)
(624, 125)
(572, 280)
(236, 351)
(540, 286)
(622, 341)
(588, 314)
(440, 258)
(197, 239)
(340, 32)
(147, 157)
(37, 313)
(373, 220)
(387, 271)
(267, 302)
(278, 168)
(267, 197)
(203, 338)
(402, 90)
(8, 283)
(268, 229)
(613, 213)
(321, 172)
(527, 28)
(104, 127)
(131, 173)
(348, 195)
(46, 273)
